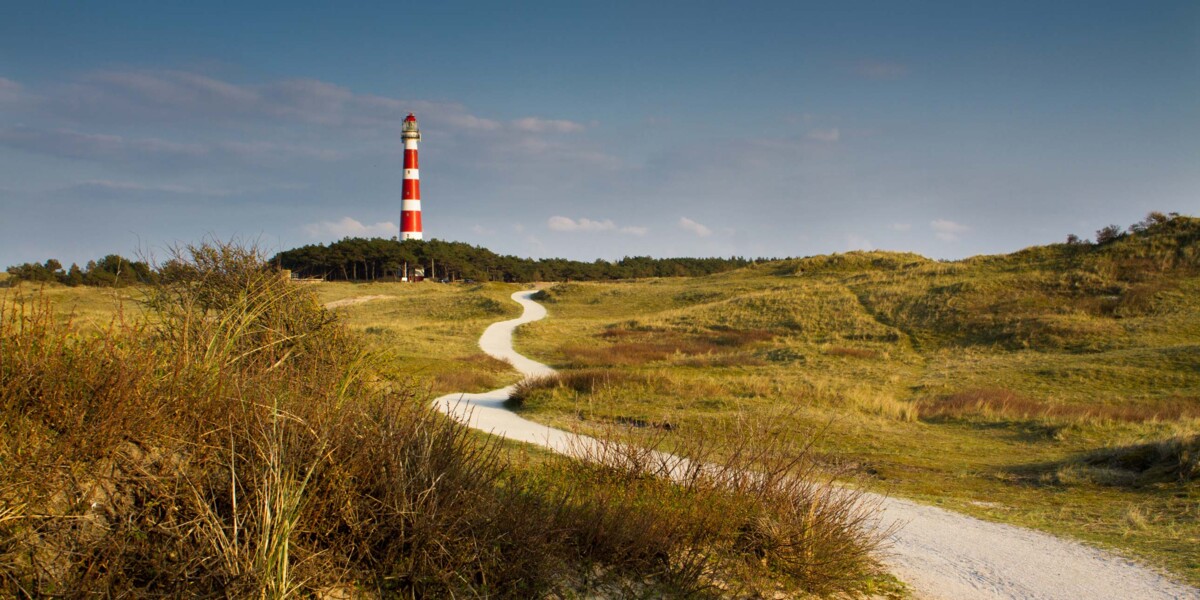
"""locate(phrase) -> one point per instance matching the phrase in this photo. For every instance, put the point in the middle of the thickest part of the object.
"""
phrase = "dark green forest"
(360, 259)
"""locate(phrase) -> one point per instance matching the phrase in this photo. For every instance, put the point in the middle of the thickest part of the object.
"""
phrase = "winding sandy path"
(942, 555)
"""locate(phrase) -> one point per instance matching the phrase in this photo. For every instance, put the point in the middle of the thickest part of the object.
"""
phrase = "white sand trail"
(942, 555)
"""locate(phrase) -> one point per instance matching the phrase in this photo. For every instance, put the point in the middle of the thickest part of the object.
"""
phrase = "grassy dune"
(1057, 387)
(232, 437)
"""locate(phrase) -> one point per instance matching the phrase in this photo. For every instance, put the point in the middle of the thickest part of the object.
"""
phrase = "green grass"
(91, 308)
(987, 385)
(429, 332)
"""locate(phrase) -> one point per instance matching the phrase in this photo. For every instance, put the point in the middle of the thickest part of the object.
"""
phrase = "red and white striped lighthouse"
(410, 202)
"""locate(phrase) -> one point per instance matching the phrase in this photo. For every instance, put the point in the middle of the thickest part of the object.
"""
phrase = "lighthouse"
(410, 199)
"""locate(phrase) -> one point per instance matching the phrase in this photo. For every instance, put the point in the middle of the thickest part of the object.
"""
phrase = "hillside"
(1057, 387)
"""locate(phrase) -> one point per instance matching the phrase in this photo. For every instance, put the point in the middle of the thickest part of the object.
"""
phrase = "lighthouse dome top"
(409, 129)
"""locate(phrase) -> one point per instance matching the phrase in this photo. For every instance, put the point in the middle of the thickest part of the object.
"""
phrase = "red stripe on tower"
(410, 198)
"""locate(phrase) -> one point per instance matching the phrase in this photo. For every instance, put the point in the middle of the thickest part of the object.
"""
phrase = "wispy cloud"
(689, 225)
(536, 125)
(105, 186)
(900, 226)
(66, 143)
(180, 96)
(348, 227)
(73, 144)
(880, 70)
(10, 91)
(567, 224)
(828, 136)
(948, 231)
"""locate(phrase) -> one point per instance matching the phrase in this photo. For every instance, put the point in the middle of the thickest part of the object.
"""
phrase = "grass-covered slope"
(1057, 387)
(237, 439)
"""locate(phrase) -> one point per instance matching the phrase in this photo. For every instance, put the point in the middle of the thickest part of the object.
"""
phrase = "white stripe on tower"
(410, 198)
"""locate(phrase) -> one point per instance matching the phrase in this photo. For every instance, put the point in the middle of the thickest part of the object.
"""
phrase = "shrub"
(1108, 234)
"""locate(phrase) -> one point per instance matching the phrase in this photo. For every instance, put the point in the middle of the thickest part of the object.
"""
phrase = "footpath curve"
(941, 555)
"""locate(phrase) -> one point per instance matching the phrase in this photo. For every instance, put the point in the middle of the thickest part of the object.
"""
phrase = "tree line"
(362, 259)
(113, 270)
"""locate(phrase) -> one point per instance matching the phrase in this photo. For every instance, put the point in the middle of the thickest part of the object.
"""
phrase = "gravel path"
(942, 555)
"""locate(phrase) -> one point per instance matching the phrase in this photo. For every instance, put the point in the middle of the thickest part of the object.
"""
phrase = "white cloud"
(348, 227)
(900, 226)
(558, 223)
(948, 231)
(825, 135)
(873, 69)
(567, 224)
(481, 230)
(687, 224)
(858, 242)
(536, 125)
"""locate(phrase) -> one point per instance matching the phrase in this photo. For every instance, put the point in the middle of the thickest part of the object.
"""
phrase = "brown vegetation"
(640, 346)
(583, 381)
(852, 352)
(1002, 403)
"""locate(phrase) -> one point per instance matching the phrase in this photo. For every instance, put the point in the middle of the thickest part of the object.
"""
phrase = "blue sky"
(596, 130)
